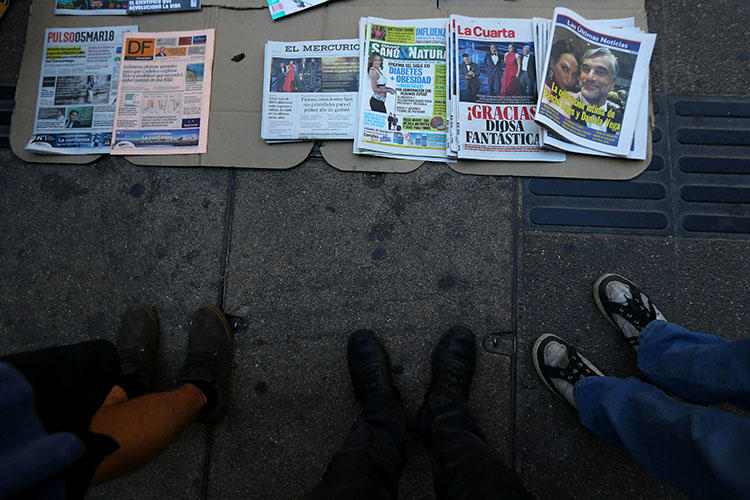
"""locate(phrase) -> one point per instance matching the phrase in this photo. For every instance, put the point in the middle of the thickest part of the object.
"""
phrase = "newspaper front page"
(310, 90)
(283, 8)
(91, 7)
(608, 59)
(75, 105)
(402, 105)
(495, 72)
(164, 94)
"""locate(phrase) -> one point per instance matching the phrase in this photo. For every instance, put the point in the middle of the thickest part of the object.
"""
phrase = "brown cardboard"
(236, 97)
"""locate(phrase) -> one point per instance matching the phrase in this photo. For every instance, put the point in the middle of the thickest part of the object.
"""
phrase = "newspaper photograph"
(310, 90)
(402, 89)
(495, 61)
(164, 94)
(91, 7)
(578, 100)
(283, 8)
(75, 106)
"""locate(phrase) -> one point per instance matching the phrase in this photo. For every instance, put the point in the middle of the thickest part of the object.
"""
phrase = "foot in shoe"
(369, 366)
(137, 341)
(560, 366)
(625, 306)
(208, 364)
(453, 360)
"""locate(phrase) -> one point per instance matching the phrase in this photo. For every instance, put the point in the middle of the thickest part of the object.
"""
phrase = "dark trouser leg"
(463, 464)
(372, 458)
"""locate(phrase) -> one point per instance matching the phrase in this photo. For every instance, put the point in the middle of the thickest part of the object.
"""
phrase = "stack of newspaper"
(593, 86)
(402, 89)
(310, 90)
(447, 89)
(492, 79)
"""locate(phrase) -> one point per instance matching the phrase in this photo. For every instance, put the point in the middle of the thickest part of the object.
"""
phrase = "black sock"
(132, 384)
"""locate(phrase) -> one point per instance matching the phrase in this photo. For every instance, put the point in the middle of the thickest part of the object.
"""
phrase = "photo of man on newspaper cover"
(584, 82)
(494, 73)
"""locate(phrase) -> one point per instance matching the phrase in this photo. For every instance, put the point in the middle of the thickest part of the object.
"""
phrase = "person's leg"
(464, 465)
(698, 367)
(373, 456)
(143, 428)
(700, 451)
(145, 425)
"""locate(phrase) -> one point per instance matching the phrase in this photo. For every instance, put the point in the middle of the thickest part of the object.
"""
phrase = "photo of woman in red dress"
(511, 82)
(291, 71)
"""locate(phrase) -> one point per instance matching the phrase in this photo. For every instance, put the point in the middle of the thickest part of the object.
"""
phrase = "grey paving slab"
(702, 52)
(316, 254)
(657, 24)
(558, 457)
(82, 242)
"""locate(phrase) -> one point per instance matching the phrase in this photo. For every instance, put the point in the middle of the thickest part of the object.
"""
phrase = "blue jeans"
(701, 451)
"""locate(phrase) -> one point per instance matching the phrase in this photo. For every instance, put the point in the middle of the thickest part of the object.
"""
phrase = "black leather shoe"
(453, 361)
(208, 364)
(369, 366)
(137, 340)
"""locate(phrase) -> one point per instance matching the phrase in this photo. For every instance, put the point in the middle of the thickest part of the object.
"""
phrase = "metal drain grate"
(7, 103)
(698, 182)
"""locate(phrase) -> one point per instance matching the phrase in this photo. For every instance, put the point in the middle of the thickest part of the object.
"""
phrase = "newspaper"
(283, 8)
(402, 105)
(494, 67)
(91, 7)
(611, 59)
(549, 139)
(137, 7)
(75, 105)
(164, 94)
(310, 90)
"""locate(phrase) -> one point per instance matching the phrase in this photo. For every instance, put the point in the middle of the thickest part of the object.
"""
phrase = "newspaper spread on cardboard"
(494, 67)
(608, 59)
(402, 105)
(91, 7)
(639, 147)
(75, 105)
(164, 94)
(310, 90)
(283, 8)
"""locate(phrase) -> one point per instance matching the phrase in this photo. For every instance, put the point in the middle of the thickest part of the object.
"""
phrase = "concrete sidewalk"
(311, 254)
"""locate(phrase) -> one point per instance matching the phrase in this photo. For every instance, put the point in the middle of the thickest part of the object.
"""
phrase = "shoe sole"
(535, 359)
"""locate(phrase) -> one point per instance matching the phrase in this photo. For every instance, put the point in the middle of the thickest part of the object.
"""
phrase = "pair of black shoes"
(208, 363)
(453, 361)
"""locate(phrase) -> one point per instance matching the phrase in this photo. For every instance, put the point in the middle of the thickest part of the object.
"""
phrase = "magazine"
(402, 105)
(283, 8)
(91, 7)
(137, 7)
(495, 89)
(310, 90)
(164, 94)
(75, 106)
(607, 60)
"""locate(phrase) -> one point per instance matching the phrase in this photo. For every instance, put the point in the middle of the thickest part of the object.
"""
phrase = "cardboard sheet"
(243, 28)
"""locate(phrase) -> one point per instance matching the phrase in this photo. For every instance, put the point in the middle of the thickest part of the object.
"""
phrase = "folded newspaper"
(91, 7)
(75, 105)
(402, 89)
(594, 89)
(283, 8)
(493, 86)
(164, 93)
(310, 90)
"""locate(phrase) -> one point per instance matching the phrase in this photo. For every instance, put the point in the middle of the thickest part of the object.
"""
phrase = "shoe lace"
(373, 380)
(453, 376)
(199, 360)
